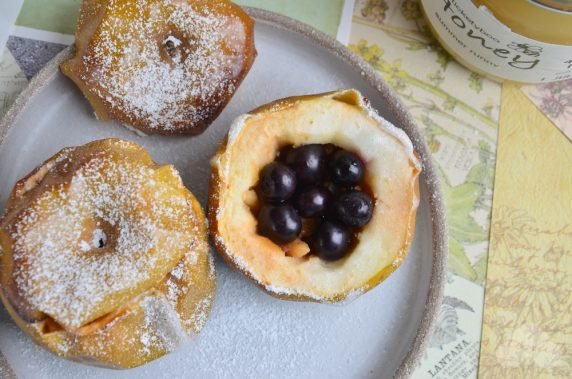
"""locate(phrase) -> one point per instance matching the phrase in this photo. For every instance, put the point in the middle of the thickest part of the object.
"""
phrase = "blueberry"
(308, 162)
(353, 209)
(312, 202)
(277, 182)
(346, 168)
(331, 241)
(280, 223)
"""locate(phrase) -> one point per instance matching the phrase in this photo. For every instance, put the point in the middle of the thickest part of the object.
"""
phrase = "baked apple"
(161, 67)
(314, 197)
(104, 256)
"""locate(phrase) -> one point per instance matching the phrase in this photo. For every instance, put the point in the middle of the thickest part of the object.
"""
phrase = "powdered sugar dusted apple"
(161, 67)
(104, 257)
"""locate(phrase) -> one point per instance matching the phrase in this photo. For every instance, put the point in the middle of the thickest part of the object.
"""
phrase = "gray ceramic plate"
(250, 334)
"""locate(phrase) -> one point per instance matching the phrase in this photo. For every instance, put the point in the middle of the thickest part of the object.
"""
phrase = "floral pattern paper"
(12, 81)
(555, 101)
(527, 329)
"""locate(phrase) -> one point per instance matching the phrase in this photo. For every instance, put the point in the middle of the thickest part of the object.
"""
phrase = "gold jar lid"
(547, 21)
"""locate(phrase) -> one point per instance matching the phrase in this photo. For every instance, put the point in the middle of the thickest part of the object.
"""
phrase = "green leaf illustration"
(458, 261)
(436, 78)
(476, 82)
(416, 45)
(443, 58)
(450, 103)
(374, 10)
(488, 109)
(460, 202)
(481, 269)
(411, 10)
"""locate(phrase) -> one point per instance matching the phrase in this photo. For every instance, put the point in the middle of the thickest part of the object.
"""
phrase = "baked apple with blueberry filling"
(314, 197)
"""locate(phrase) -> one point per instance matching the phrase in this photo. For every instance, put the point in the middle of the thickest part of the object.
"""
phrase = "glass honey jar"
(526, 41)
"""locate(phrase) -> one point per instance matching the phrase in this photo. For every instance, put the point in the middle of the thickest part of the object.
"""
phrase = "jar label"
(476, 36)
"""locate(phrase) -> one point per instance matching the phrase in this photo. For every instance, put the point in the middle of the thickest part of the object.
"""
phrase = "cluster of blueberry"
(314, 192)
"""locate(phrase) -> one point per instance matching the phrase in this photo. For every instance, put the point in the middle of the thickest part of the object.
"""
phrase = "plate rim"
(404, 119)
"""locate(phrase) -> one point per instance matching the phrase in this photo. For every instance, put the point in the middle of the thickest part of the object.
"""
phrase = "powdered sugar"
(283, 291)
(81, 244)
(236, 127)
(164, 63)
(162, 329)
(99, 239)
(84, 246)
(199, 317)
(174, 41)
(178, 271)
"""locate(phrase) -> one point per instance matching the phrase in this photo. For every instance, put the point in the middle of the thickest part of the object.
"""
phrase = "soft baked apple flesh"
(342, 118)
